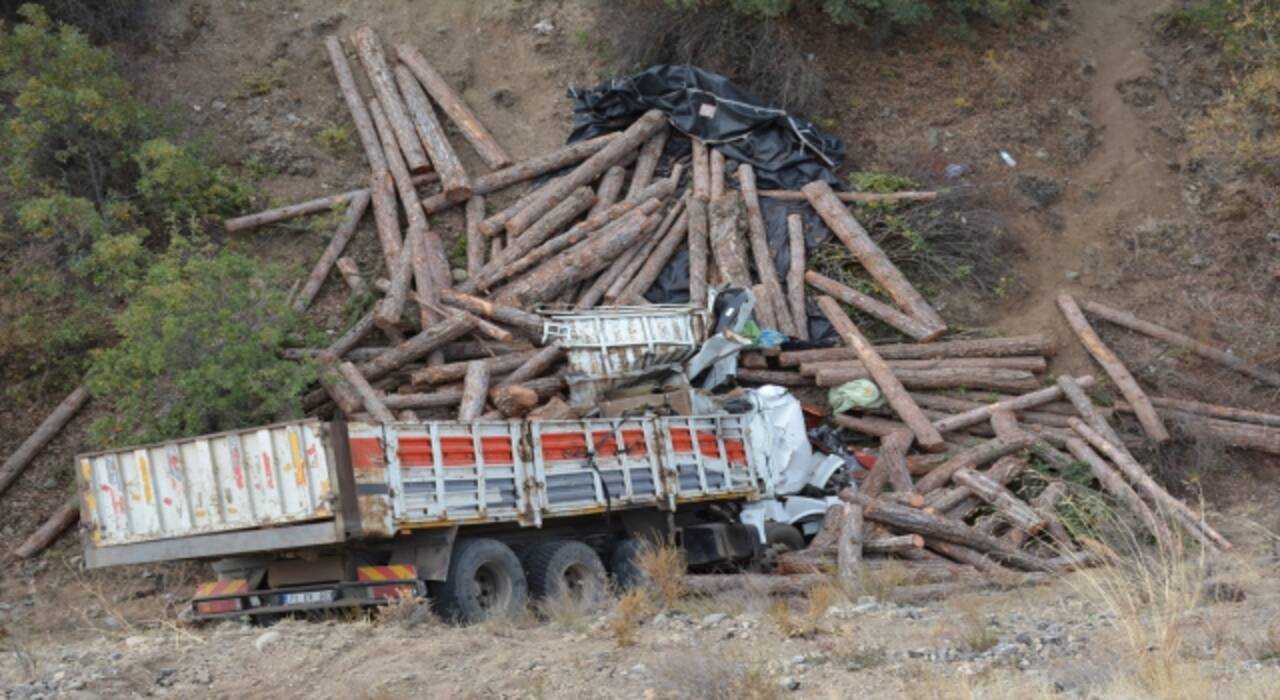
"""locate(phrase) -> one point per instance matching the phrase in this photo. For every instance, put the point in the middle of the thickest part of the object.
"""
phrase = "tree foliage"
(891, 14)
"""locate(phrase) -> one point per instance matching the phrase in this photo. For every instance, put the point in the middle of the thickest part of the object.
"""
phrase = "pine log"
(716, 174)
(386, 216)
(48, 533)
(609, 190)
(389, 311)
(894, 393)
(701, 170)
(457, 371)
(959, 502)
(849, 546)
(656, 262)
(795, 276)
(420, 345)
(333, 202)
(535, 366)
(350, 272)
(892, 544)
(1044, 505)
(477, 243)
(764, 376)
(1025, 364)
(766, 269)
(906, 498)
(1084, 406)
(965, 555)
(763, 309)
(647, 162)
(480, 349)
(549, 280)
(982, 347)
(855, 197)
(829, 533)
(355, 104)
(953, 405)
(1005, 424)
(452, 395)
(44, 433)
(1231, 433)
(343, 394)
(368, 397)
(1012, 508)
(855, 238)
(1017, 403)
(349, 340)
(726, 243)
(592, 168)
(1194, 524)
(473, 130)
(698, 242)
(514, 401)
(454, 181)
(869, 425)
(1209, 410)
(1114, 368)
(1113, 483)
(891, 465)
(369, 48)
(560, 216)
(524, 322)
(908, 324)
(611, 282)
(913, 521)
(347, 229)
(1209, 352)
(475, 388)
(526, 170)
(414, 243)
(970, 458)
(941, 378)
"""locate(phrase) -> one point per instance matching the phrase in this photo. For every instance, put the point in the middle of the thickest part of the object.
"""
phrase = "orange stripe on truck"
(391, 572)
(213, 589)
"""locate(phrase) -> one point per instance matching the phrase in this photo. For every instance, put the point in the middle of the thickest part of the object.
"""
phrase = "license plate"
(309, 597)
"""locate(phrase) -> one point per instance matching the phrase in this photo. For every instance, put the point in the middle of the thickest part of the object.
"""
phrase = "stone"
(713, 619)
(789, 683)
(266, 639)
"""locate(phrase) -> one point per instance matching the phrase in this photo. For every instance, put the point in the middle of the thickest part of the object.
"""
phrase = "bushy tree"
(199, 352)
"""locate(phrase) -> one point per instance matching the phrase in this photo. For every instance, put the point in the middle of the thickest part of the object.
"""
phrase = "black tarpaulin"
(786, 151)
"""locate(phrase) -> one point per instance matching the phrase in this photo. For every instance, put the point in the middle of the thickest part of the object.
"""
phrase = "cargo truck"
(478, 516)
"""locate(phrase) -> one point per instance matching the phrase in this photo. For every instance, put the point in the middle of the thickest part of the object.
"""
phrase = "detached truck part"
(476, 515)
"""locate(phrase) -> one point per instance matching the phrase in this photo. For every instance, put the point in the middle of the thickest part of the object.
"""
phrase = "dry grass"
(407, 612)
(808, 623)
(972, 629)
(714, 676)
(882, 581)
(664, 570)
(631, 609)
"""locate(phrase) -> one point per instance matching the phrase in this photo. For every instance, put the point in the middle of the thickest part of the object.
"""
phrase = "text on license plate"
(309, 597)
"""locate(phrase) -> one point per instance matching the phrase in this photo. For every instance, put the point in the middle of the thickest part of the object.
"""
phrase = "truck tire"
(485, 581)
(781, 537)
(624, 564)
(564, 568)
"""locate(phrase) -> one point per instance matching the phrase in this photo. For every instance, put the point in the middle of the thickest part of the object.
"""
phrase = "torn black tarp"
(786, 151)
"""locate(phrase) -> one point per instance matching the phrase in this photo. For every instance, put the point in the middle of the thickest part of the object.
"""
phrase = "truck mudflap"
(374, 586)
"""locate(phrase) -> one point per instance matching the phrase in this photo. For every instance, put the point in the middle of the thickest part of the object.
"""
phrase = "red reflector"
(214, 607)
(391, 592)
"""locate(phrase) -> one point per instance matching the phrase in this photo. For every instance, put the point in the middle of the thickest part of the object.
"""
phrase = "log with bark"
(698, 250)
(368, 396)
(1209, 410)
(456, 371)
(477, 243)
(854, 197)
(44, 433)
(869, 425)
(502, 266)
(454, 182)
(894, 393)
(1031, 399)
(389, 312)
(609, 190)
(959, 503)
(795, 276)
(764, 376)
(1038, 344)
(970, 458)
(350, 271)
(475, 389)
(1115, 368)
(418, 346)
(535, 365)
(763, 308)
(646, 163)
(1090, 413)
(1045, 504)
(1209, 352)
(529, 325)
(1009, 506)
(761, 255)
(1025, 364)
(726, 243)
(1113, 483)
(1231, 433)
(369, 48)
(514, 401)
(906, 323)
(849, 545)
(545, 387)
(62, 520)
(656, 262)
(891, 465)
(877, 264)
(940, 378)
(473, 130)
(337, 244)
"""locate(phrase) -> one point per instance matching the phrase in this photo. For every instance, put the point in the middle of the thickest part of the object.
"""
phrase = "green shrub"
(894, 14)
(182, 191)
(199, 352)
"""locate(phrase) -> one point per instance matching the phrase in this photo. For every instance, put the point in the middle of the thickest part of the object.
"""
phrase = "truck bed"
(311, 483)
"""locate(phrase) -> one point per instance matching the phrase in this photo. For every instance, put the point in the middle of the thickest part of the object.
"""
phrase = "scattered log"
(592, 168)
(479, 349)
(757, 236)
(1025, 364)
(905, 498)
(1232, 433)
(959, 502)
(457, 371)
(1012, 508)
(369, 48)
(476, 241)
(1017, 403)
(1209, 352)
(1114, 368)
(452, 396)
(891, 465)
(795, 276)
(344, 395)
(698, 242)
(526, 170)
(909, 325)
(454, 181)
(869, 425)
(849, 546)
(44, 433)
(854, 197)
(829, 533)
(763, 309)
(715, 173)
(386, 217)
(350, 272)
(1044, 504)
(983, 347)
(333, 202)
(346, 343)
(913, 521)
(970, 458)
(388, 312)
(520, 247)
(892, 544)
(764, 376)
(514, 401)
(420, 345)
(965, 555)
(1211, 411)
(535, 366)
(48, 533)
(941, 378)
(347, 229)
(725, 241)
(647, 162)
(1005, 424)
(608, 283)
(473, 130)
(368, 397)
(1115, 484)
(1084, 406)
(608, 191)
(855, 238)
(524, 322)
(895, 394)
(656, 262)
(1194, 524)
(355, 104)
(475, 389)
(953, 405)
(701, 170)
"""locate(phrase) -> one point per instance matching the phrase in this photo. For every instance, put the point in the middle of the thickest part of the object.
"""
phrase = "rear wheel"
(485, 581)
(564, 568)
(624, 564)
(779, 538)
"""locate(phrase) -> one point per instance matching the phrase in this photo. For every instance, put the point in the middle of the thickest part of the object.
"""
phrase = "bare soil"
(1106, 202)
